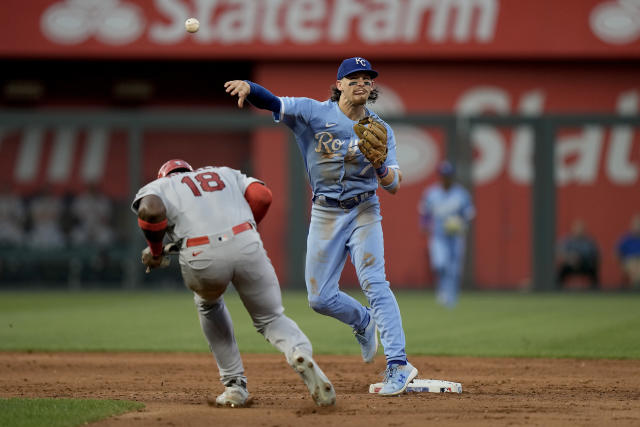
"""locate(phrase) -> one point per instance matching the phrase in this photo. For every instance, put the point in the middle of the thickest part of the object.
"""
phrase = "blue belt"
(349, 203)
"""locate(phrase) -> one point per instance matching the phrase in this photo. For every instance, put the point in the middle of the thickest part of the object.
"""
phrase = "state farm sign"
(313, 21)
(275, 21)
(322, 28)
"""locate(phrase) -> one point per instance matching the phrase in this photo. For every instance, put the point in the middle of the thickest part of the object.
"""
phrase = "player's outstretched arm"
(254, 93)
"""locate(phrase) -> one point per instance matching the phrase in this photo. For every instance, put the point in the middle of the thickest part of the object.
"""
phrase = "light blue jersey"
(438, 205)
(338, 170)
(438, 209)
(329, 146)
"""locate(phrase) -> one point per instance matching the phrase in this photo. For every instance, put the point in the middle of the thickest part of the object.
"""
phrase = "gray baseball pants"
(241, 260)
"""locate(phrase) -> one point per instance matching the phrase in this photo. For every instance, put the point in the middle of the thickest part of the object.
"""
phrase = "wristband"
(262, 98)
(156, 248)
(152, 226)
(382, 171)
(393, 184)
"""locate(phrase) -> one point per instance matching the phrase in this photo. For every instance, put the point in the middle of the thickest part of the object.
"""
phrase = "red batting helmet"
(174, 165)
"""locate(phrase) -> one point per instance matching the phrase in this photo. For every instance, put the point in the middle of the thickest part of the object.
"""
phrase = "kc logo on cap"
(354, 65)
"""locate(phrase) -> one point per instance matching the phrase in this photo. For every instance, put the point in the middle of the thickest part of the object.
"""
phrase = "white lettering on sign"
(619, 166)
(461, 12)
(172, 32)
(111, 22)
(577, 156)
(229, 22)
(616, 22)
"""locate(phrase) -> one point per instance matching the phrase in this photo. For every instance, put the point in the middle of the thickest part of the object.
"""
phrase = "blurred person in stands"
(92, 214)
(12, 218)
(46, 210)
(628, 251)
(445, 212)
(578, 256)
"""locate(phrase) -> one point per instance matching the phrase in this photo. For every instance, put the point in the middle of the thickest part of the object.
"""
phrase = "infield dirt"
(175, 386)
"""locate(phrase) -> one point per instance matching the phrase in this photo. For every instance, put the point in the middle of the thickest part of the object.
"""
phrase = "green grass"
(59, 412)
(589, 325)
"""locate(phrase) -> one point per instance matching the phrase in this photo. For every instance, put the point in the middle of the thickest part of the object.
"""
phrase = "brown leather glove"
(373, 140)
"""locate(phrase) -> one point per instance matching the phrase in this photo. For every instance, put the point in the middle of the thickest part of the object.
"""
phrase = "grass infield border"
(19, 412)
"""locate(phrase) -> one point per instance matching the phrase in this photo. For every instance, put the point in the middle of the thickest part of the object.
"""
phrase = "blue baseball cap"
(355, 64)
(446, 168)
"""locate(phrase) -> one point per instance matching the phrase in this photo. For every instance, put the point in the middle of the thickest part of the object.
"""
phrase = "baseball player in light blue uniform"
(345, 215)
(445, 211)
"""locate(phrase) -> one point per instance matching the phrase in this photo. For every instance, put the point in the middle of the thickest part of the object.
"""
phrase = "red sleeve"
(259, 198)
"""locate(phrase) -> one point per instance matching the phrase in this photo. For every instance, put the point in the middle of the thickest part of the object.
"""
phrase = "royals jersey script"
(329, 146)
(206, 201)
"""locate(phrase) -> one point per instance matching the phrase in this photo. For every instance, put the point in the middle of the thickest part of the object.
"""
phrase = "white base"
(431, 386)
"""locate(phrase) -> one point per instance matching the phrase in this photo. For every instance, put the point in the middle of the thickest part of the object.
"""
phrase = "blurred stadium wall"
(462, 57)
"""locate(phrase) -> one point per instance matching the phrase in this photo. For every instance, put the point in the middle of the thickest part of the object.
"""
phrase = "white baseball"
(192, 25)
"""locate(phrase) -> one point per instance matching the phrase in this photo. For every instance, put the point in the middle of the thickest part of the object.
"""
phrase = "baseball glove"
(453, 225)
(373, 140)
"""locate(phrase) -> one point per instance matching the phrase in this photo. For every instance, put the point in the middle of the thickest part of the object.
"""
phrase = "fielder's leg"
(454, 269)
(367, 254)
(326, 255)
(439, 259)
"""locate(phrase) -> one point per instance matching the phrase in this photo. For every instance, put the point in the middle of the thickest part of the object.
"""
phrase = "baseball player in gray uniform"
(212, 213)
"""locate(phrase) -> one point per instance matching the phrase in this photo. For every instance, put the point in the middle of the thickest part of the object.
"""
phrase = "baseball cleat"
(368, 339)
(235, 395)
(316, 381)
(397, 378)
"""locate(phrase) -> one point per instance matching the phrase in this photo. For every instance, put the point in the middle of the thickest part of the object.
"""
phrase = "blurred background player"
(213, 213)
(445, 210)
(628, 251)
(345, 215)
(578, 256)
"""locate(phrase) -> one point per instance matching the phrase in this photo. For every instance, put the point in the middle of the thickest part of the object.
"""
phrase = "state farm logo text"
(274, 21)
(110, 21)
(616, 22)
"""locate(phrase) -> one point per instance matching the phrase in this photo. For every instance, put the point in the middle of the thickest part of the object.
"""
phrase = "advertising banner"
(321, 29)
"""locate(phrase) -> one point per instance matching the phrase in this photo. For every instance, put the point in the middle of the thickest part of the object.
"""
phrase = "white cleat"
(235, 395)
(397, 378)
(316, 381)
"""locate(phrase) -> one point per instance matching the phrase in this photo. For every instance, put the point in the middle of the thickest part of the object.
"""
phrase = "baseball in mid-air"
(192, 25)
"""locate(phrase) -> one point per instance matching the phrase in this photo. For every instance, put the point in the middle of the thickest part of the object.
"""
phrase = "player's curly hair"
(335, 95)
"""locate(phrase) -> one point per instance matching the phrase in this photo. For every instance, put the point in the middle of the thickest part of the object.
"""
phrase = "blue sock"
(396, 362)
